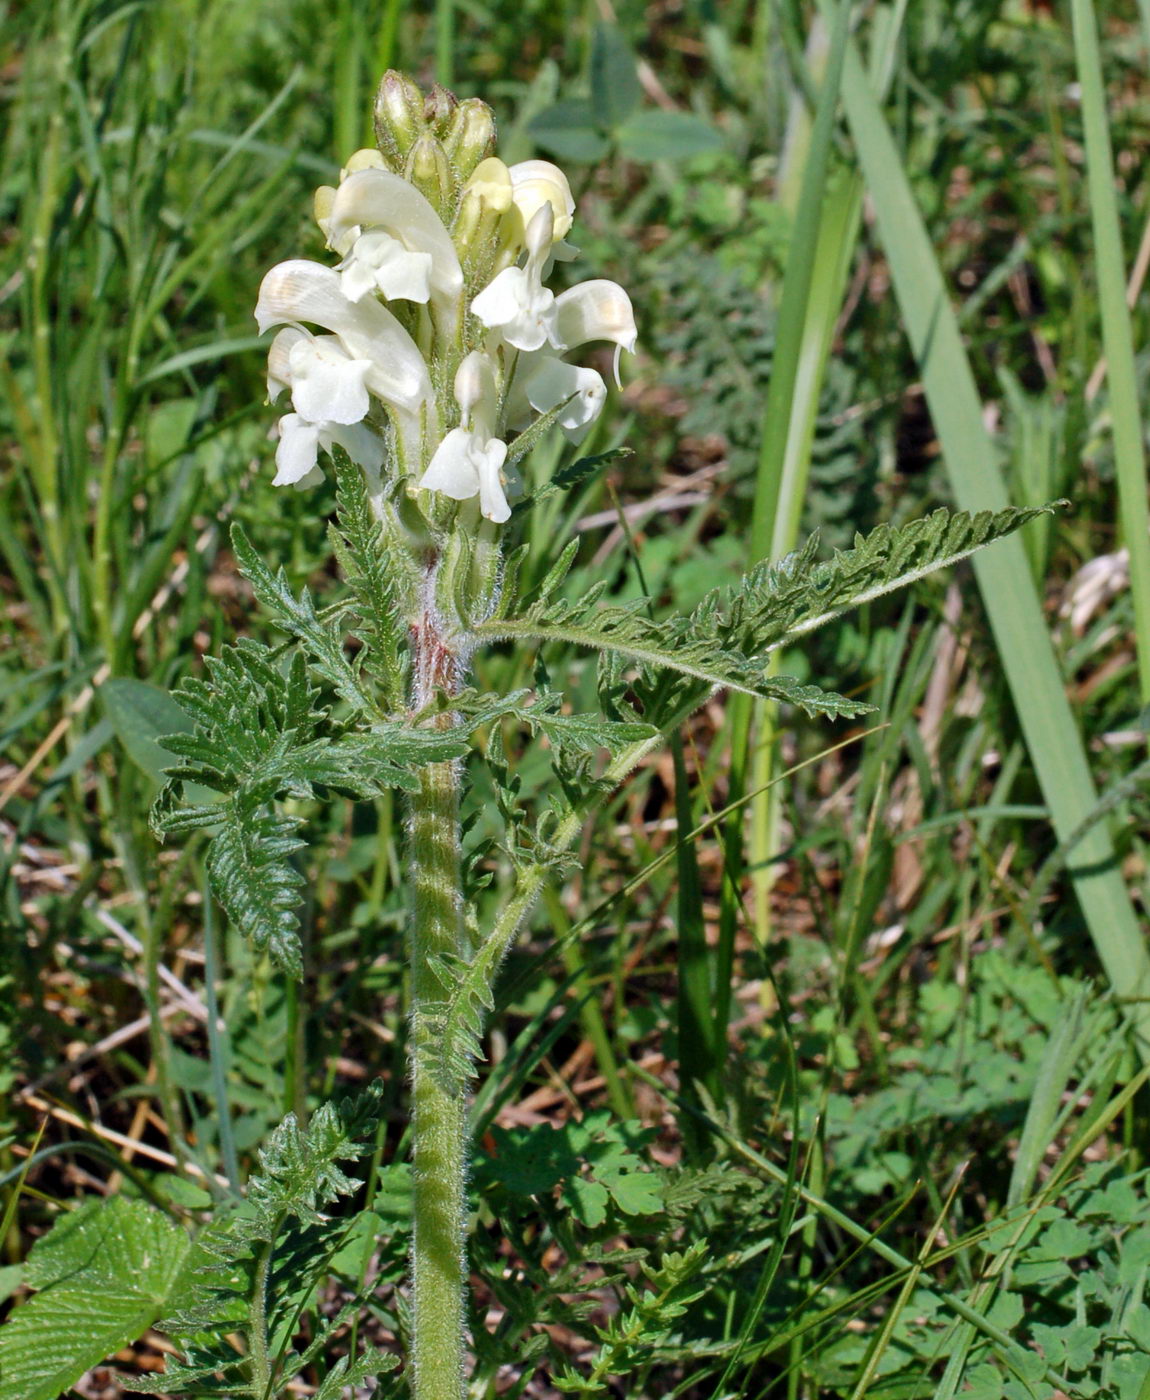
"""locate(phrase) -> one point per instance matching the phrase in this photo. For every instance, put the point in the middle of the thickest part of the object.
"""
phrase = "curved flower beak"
(595, 310)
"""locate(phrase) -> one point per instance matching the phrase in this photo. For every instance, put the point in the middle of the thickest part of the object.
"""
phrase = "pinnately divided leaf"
(726, 641)
(249, 864)
(261, 736)
(257, 1263)
(324, 642)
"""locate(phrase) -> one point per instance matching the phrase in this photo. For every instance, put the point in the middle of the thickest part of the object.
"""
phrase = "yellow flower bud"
(538, 182)
(367, 159)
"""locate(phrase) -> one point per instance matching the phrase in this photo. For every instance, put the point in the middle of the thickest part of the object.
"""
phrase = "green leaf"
(104, 1274)
(253, 878)
(285, 1219)
(726, 640)
(569, 130)
(615, 87)
(142, 714)
(588, 1200)
(297, 616)
(374, 578)
(659, 135)
(568, 478)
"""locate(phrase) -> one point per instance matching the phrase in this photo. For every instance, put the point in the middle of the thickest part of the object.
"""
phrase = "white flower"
(538, 182)
(543, 382)
(376, 199)
(469, 460)
(378, 262)
(466, 465)
(366, 332)
(326, 384)
(298, 451)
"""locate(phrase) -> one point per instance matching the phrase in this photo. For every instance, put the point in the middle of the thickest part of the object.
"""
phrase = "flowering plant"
(427, 359)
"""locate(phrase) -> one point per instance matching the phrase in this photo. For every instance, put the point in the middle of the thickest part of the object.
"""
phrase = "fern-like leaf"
(297, 616)
(262, 736)
(264, 1259)
(725, 642)
(373, 574)
(249, 865)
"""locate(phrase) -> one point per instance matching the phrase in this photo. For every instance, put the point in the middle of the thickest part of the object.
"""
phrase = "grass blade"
(1129, 454)
(1003, 574)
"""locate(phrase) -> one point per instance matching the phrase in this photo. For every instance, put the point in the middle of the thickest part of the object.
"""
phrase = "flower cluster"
(434, 344)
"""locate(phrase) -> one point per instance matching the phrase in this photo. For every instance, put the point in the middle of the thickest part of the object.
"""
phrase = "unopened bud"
(427, 168)
(438, 108)
(398, 115)
(474, 383)
(470, 136)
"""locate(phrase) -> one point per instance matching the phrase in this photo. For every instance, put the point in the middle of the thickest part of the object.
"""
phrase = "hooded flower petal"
(306, 291)
(538, 182)
(596, 310)
(377, 199)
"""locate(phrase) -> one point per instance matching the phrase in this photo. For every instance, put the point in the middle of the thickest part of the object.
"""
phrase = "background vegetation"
(841, 1099)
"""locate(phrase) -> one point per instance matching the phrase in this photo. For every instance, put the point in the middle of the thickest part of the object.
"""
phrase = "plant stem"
(439, 1113)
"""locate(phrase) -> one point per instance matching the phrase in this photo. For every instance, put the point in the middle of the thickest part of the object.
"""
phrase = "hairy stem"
(440, 1116)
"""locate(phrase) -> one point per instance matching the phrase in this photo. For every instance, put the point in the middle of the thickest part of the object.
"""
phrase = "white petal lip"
(327, 385)
(596, 310)
(297, 450)
(465, 466)
(300, 290)
(379, 199)
(492, 501)
(451, 469)
(378, 260)
(516, 305)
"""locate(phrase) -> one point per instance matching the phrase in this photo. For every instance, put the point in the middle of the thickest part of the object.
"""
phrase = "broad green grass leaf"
(104, 1274)
(615, 88)
(659, 135)
(141, 714)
